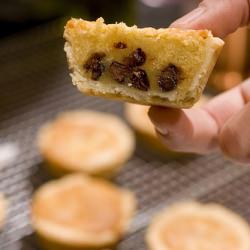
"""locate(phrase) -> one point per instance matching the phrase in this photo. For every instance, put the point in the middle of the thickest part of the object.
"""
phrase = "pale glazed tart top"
(86, 140)
(82, 206)
(193, 226)
(78, 209)
(178, 234)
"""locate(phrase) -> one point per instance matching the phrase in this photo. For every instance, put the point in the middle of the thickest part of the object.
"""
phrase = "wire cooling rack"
(34, 87)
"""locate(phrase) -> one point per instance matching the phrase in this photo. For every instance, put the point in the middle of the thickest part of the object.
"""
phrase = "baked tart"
(165, 67)
(86, 141)
(194, 226)
(78, 212)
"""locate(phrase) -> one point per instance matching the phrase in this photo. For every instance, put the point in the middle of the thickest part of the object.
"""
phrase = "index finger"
(196, 130)
(221, 17)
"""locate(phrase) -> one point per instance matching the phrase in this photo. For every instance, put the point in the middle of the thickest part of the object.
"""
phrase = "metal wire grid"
(35, 86)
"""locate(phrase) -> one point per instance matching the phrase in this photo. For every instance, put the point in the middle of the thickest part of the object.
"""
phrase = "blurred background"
(35, 86)
(17, 15)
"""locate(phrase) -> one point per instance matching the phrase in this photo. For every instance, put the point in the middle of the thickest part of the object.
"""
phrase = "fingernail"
(161, 131)
(189, 18)
(155, 120)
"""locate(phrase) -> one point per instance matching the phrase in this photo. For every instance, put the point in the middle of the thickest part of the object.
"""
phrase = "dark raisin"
(95, 65)
(97, 72)
(120, 45)
(139, 79)
(169, 78)
(137, 58)
(119, 72)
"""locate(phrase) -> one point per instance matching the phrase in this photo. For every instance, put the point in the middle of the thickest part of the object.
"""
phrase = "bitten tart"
(78, 212)
(194, 226)
(91, 142)
(166, 67)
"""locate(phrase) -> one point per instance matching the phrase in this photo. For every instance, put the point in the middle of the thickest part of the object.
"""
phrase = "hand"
(224, 122)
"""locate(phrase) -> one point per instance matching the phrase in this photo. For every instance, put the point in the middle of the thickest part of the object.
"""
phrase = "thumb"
(235, 137)
(222, 17)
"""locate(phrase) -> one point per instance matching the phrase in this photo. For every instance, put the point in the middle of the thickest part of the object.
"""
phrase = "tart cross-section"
(166, 67)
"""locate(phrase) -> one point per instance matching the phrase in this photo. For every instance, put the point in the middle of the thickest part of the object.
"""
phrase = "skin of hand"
(224, 122)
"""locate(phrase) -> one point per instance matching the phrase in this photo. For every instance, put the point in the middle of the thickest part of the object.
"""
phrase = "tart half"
(193, 226)
(166, 67)
(79, 212)
(86, 141)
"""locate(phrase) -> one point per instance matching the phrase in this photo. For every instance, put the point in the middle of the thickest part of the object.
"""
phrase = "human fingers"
(221, 17)
(192, 130)
(196, 130)
(235, 136)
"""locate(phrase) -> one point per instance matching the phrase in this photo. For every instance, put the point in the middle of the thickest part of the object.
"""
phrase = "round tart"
(80, 212)
(193, 226)
(3, 208)
(85, 141)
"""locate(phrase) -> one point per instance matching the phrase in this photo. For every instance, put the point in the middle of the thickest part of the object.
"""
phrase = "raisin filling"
(95, 65)
(169, 78)
(120, 45)
(119, 72)
(124, 73)
(139, 80)
(129, 73)
(137, 58)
